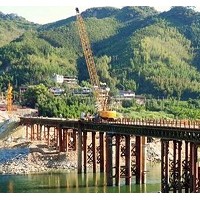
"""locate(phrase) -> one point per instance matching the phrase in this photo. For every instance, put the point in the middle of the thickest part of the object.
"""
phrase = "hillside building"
(58, 78)
(56, 91)
(71, 80)
(123, 94)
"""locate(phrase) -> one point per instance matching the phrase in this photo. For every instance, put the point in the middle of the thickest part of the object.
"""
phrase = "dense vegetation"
(135, 48)
(164, 57)
(12, 26)
(71, 106)
(66, 105)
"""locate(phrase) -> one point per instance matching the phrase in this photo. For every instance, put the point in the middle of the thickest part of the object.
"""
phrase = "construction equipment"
(101, 94)
(9, 98)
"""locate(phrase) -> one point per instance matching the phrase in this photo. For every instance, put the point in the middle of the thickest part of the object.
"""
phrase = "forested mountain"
(135, 48)
(12, 26)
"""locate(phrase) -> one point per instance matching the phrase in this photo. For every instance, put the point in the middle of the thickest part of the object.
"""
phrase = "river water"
(71, 182)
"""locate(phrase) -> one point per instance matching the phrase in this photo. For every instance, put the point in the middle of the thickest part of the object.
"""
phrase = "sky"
(46, 11)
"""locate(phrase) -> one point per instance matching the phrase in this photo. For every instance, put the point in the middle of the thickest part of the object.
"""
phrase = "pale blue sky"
(46, 11)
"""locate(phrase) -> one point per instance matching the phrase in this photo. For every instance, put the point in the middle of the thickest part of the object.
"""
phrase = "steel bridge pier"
(56, 137)
(116, 155)
(119, 156)
(180, 173)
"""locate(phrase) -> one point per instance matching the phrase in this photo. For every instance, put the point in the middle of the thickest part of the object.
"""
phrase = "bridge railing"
(190, 124)
(195, 124)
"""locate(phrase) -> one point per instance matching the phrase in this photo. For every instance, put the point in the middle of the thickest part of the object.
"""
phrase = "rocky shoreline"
(18, 156)
(28, 158)
(31, 160)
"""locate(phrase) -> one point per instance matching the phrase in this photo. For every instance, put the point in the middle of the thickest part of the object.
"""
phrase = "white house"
(58, 78)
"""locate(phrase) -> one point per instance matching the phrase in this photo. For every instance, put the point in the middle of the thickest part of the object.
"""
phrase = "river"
(73, 183)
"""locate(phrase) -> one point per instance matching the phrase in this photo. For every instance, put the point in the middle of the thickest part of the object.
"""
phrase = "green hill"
(135, 48)
(12, 26)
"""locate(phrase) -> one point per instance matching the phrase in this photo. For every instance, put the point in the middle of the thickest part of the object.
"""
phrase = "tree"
(34, 95)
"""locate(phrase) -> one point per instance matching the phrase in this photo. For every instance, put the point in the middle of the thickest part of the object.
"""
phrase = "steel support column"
(27, 132)
(94, 160)
(186, 169)
(38, 132)
(48, 135)
(40, 135)
(179, 167)
(66, 138)
(109, 160)
(32, 132)
(198, 179)
(144, 141)
(74, 136)
(102, 151)
(60, 138)
(117, 160)
(35, 132)
(44, 136)
(56, 133)
(63, 140)
(164, 166)
(128, 160)
(85, 151)
(79, 150)
(138, 159)
(176, 167)
(194, 171)
(174, 173)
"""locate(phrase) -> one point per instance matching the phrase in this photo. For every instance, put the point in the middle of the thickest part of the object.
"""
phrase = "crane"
(9, 98)
(100, 94)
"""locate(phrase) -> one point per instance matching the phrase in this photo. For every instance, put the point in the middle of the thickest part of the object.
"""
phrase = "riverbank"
(32, 159)
(29, 158)
(18, 156)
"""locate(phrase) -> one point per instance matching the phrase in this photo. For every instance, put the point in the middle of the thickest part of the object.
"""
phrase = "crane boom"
(101, 95)
(87, 50)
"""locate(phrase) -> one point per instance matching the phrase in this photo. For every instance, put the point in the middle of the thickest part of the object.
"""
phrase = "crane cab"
(108, 115)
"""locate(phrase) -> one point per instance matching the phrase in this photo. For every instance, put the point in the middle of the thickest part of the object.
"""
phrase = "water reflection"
(74, 183)
(10, 187)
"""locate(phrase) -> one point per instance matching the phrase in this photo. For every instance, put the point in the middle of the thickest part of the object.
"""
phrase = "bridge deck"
(165, 129)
